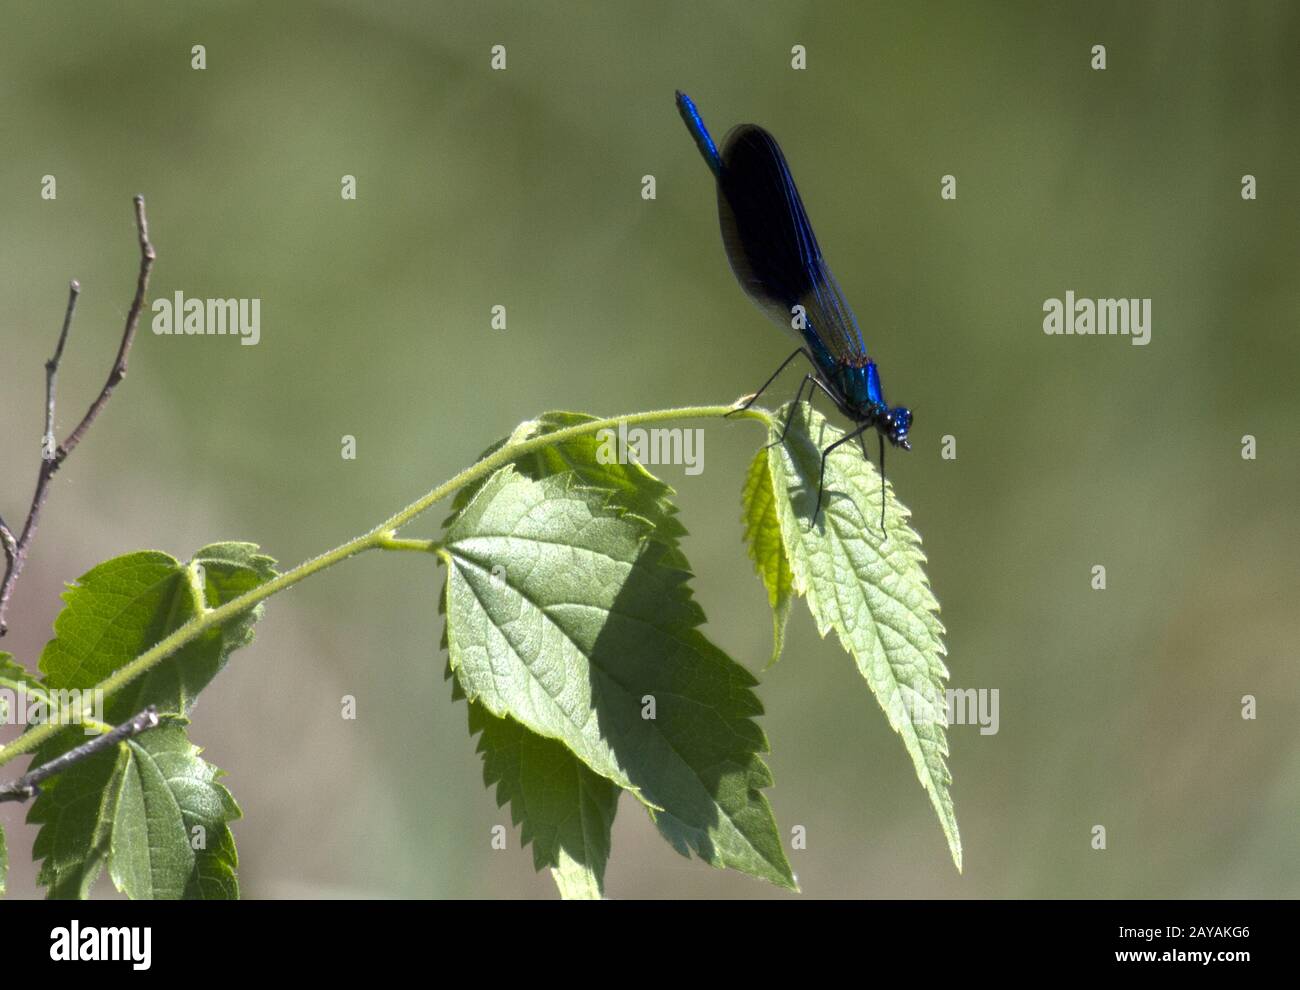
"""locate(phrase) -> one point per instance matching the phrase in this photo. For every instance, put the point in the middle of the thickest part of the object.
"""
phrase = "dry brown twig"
(28, 785)
(52, 456)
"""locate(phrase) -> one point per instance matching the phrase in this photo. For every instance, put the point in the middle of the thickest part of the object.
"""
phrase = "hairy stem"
(380, 538)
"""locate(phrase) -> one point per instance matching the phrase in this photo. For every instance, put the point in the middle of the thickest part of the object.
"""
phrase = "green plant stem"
(415, 546)
(380, 538)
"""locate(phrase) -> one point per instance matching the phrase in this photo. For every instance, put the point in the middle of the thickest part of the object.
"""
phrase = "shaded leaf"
(766, 549)
(564, 810)
(75, 811)
(565, 615)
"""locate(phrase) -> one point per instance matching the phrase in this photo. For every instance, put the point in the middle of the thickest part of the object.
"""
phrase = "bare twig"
(28, 785)
(52, 457)
(52, 372)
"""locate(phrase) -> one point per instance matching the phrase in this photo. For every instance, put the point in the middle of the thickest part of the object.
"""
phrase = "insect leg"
(883, 534)
(821, 480)
(821, 385)
(753, 398)
(789, 413)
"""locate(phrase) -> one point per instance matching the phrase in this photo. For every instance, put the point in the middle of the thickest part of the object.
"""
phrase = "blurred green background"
(522, 188)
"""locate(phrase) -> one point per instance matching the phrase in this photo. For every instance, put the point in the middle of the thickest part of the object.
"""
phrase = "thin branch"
(52, 372)
(118, 371)
(52, 457)
(28, 785)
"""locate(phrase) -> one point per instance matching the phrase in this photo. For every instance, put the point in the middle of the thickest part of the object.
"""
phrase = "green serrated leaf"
(122, 607)
(766, 549)
(75, 810)
(873, 592)
(564, 810)
(564, 614)
(15, 683)
(588, 458)
(14, 677)
(141, 807)
(4, 861)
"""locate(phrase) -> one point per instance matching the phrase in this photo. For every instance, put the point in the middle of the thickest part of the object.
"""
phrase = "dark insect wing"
(771, 245)
(769, 241)
(777, 261)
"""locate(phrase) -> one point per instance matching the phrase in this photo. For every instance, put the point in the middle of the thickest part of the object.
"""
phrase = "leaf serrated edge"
(934, 784)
